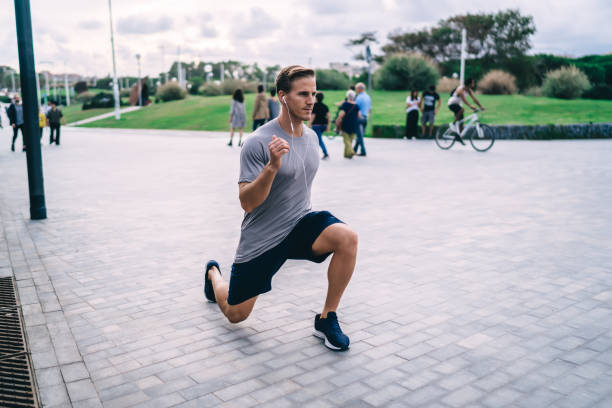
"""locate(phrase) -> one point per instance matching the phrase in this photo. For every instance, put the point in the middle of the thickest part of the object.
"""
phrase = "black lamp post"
(27, 74)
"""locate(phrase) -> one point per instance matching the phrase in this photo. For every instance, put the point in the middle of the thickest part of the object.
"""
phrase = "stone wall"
(537, 132)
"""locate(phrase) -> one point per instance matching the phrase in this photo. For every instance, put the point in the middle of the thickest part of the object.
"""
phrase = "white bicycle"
(481, 136)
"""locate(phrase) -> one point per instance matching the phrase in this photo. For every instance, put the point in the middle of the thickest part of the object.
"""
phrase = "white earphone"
(291, 142)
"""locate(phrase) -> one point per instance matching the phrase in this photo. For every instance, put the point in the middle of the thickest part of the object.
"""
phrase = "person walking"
(54, 119)
(273, 104)
(348, 123)
(429, 106)
(319, 121)
(237, 115)
(42, 120)
(364, 102)
(260, 110)
(412, 114)
(15, 115)
(278, 164)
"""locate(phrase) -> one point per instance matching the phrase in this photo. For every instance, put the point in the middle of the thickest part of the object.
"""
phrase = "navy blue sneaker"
(208, 287)
(329, 330)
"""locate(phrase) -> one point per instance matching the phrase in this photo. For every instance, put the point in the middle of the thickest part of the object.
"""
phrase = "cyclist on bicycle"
(457, 96)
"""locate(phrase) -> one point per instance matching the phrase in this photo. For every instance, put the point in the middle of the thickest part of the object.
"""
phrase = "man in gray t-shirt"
(277, 166)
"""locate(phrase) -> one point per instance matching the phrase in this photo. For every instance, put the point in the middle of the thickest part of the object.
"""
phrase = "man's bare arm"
(464, 99)
(253, 194)
(475, 100)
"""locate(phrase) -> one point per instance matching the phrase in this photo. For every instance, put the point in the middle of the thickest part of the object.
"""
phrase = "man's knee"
(237, 316)
(349, 241)
(239, 313)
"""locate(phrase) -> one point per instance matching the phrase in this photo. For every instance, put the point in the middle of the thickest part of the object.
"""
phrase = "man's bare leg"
(342, 241)
(234, 313)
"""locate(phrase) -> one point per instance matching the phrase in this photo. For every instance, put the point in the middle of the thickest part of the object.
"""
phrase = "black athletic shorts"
(254, 277)
(455, 107)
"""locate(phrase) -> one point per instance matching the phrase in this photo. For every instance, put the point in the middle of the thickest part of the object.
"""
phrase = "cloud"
(208, 31)
(90, 24)
(325, 7)
(258, 24)
(143, 25)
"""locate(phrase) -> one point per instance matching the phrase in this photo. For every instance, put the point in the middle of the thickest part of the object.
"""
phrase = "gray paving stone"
(423, 395)
(463, 396)
(46, 377)
(73, 372)
(238, 390)
(484, 298)
(54, 395)
(81, 390)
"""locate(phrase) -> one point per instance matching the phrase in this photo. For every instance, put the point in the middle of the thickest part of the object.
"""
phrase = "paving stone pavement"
(483, 280)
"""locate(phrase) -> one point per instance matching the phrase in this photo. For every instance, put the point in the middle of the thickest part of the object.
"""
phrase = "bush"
(171, 91)
(497, 82)
(210, 90)
(446, 84)
(406, 72)
(329, 79)
(228, 86)
(80, 87)
(196, 83)
(565, 82)
(84, 97)
(5, 99)
(600, 91)
(125, 93)
(250, 87)
(100, 100)
(104, 83)
(533, 91)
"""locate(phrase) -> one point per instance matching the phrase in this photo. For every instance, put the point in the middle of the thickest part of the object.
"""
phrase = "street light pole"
(179, 68)
(47, 86)
(139, 84)
(462, 69)
(115, 84)
(27, 74)
(66, 86)
(55, 88)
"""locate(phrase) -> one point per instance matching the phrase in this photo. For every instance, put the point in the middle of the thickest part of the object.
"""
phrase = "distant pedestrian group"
(50, 116)
(351, 121)
(428, 105)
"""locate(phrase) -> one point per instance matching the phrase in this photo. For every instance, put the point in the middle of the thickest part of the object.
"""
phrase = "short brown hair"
(289, 74)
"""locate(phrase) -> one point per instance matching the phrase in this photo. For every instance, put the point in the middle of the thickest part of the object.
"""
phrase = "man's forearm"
(254, 194)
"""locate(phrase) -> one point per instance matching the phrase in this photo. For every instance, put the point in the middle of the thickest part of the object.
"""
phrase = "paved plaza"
(482, 280)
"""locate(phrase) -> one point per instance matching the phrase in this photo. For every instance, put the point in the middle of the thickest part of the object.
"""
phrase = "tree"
(406, 72)
(498, 36)
(364, 39)
(80, 87)
(511, 33)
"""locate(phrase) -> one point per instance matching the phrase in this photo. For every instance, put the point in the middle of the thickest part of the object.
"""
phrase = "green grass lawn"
(212, 113)
(75, 112)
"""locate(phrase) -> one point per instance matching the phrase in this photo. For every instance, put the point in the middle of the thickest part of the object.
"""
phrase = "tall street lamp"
(139, 84)
(115, 84)
(27, 74)
(66, 85)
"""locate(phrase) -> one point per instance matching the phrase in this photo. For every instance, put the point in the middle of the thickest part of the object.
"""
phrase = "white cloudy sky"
(76, 32)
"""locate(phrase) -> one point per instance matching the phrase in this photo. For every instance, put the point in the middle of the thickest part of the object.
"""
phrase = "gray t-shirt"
(289, 199)
(18, 115)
